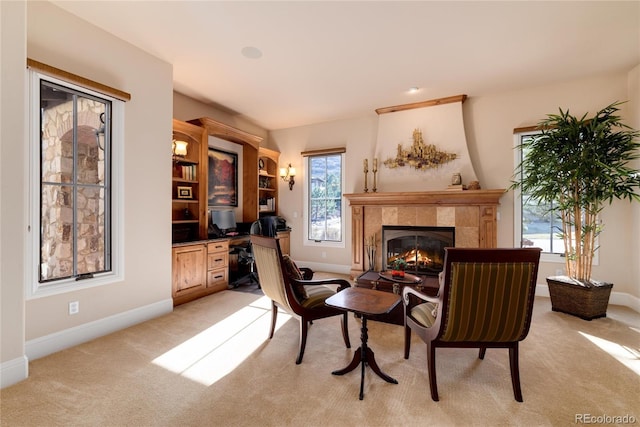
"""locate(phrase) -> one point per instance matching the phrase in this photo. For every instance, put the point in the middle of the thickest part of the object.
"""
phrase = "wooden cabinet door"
(189, 265)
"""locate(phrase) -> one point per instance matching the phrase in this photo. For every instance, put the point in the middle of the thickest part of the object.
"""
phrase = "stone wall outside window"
(57, 204)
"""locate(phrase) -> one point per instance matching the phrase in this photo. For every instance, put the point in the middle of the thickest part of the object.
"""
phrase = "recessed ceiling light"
(251, 52)
(414, 89)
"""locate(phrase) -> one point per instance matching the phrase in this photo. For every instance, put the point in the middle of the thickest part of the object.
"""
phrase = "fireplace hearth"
(421, 247)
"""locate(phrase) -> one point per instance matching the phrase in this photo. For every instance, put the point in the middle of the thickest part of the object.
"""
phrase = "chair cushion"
(425, 313)
(316, 296)
(293, 272)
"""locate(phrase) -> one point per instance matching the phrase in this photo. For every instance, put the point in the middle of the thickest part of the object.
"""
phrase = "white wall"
(12, 181)
(58, 38)
(100, 56)
(359, 137)
(489, 124)
(185, 109)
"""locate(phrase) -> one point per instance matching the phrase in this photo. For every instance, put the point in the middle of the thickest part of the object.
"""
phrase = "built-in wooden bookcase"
(251, 155)
(188, 184)
(267, 182)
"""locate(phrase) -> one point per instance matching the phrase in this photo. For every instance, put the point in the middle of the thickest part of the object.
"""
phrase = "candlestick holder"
(366, 172)
(374, 189)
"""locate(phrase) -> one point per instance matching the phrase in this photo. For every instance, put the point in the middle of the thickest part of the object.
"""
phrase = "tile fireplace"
(471, 213)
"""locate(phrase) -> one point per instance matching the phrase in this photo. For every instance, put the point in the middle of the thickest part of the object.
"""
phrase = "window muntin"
(324, 186)
(75, 236)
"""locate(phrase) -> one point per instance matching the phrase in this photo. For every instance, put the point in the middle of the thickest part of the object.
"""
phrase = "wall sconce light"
(179, 148)
(287, 175)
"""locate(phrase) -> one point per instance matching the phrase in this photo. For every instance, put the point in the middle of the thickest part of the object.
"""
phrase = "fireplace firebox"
(421, 247)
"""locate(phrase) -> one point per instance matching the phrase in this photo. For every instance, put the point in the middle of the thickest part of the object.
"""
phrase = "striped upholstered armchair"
(292, 289)
(485, 301)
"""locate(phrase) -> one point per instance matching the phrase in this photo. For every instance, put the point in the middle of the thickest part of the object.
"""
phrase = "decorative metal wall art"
(421, 156)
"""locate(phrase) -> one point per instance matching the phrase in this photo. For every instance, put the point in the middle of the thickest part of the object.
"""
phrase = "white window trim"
(34, 289)
(323, 243)
(517, 208)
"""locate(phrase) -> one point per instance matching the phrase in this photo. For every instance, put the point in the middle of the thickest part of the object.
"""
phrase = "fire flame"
(412, 256)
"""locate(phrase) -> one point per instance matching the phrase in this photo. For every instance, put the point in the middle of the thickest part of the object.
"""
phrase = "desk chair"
(245, 257)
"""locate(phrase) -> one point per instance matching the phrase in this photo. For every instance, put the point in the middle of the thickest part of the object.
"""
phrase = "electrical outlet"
(559, 272)
(323, 254)
(74, 307)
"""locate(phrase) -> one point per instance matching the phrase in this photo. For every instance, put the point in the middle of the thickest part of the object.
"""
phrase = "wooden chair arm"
(343, 284)
(307, 273)
(412, 297)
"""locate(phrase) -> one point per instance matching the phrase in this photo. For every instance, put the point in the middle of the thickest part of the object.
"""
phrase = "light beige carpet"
(209, 363)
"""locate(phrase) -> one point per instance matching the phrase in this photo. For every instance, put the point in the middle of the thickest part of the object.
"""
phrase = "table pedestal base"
(364, 356)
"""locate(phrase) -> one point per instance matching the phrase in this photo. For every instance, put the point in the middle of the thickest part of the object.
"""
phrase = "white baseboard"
(14, 371)
(616, 298)
(53, 343)
(329, 268)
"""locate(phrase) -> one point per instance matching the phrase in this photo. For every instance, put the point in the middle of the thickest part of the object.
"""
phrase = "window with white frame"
(324, 198)
(74, 221)
(537, 224)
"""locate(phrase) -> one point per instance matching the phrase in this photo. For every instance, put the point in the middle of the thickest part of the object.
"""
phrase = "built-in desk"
(200, 268)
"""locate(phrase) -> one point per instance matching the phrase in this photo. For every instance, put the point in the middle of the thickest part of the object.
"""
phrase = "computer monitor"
(225, 220)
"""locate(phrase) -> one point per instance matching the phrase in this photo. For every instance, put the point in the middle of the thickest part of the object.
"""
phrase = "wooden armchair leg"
(431, 361)
(515, 372)
(483, 351)
(304, 328)
(407, 341)
(274, 316)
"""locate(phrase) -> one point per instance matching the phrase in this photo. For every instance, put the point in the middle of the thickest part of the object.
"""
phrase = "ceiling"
(323, 61)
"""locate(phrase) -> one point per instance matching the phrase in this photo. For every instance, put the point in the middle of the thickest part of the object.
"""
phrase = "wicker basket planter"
(586, 302)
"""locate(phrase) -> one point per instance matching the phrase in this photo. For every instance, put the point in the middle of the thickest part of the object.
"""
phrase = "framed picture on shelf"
(222, 178)
(184, 193)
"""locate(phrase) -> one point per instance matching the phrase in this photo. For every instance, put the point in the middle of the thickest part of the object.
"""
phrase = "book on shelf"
(189, 172)
(267, 204)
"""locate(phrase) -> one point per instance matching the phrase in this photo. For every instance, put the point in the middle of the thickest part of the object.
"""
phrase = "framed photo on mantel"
(222, 178)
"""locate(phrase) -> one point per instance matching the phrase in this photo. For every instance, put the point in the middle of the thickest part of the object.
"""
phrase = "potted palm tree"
(577, 166)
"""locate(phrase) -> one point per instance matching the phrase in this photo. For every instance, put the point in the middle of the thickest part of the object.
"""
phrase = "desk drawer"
(218, 247)
(218, 280)
(217, 260)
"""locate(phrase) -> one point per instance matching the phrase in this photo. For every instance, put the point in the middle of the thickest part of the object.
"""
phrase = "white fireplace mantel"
(473, 213)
